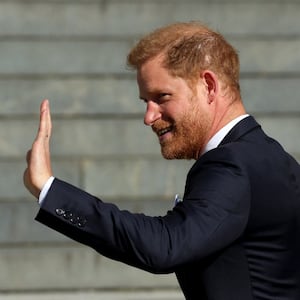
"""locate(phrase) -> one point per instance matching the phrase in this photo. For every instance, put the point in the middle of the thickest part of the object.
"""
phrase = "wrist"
(45, 189)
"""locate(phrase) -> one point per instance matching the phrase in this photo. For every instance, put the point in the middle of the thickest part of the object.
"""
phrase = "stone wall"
(74, 52)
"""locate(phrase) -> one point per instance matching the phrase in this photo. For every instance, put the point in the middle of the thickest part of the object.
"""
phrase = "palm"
(38, 168)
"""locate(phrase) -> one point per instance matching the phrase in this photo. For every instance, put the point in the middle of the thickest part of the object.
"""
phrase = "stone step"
(71, 267)
(132, 138)
(102, 57)
(121, 295)
(127, 18)
(111, 97)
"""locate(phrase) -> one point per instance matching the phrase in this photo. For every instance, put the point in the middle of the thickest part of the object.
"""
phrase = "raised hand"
(38, 169)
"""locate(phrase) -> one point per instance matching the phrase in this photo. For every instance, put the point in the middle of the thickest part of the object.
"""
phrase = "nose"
(152, 113)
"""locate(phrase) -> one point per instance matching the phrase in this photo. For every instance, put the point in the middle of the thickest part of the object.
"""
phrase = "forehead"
(151, 70)
(152, 76)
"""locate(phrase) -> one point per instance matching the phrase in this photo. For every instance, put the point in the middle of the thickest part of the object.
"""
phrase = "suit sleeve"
(213, 214)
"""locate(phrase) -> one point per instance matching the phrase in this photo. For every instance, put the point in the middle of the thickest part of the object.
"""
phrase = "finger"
(28, 155)
(48, 118)
(44, 130)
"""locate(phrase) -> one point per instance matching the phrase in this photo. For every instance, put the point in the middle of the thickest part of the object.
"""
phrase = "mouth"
(164, 131)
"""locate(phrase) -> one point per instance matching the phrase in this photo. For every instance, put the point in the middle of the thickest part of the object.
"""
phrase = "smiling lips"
(164, 131)
(161, 133)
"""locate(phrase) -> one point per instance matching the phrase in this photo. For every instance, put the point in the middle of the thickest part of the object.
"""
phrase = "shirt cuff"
(45, 190)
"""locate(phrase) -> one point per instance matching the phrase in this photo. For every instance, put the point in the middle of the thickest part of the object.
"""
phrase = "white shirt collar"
(219, 136)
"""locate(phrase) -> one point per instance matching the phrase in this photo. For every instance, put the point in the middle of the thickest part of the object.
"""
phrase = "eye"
(163, 97)
(157, 98)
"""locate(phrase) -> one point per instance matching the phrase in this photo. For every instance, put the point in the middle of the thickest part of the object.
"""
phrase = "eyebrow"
(154, 92)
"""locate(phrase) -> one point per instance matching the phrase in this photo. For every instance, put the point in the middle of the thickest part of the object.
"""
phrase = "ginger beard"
(188, 134)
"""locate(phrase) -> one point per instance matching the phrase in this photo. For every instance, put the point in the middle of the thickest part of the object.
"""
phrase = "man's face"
(177, 114)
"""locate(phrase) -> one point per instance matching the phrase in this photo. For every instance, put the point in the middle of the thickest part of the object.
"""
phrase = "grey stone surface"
(80, 138)
(136, 177)
(267, 55)
(69, 96)
(62, 57)
(285, 129)
(271, 95)
(73, 52)
(94, 57)
(115, 18)
(11, 183)
(68, 267)
(18, 227)
(81, 295)
(87, 97)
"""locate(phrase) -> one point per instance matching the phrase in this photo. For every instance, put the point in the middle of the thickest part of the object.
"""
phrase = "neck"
(223, 115)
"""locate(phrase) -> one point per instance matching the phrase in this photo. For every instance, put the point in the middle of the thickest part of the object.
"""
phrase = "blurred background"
(73, 52)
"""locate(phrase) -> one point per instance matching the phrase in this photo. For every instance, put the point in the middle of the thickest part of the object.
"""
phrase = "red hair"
(188, 49)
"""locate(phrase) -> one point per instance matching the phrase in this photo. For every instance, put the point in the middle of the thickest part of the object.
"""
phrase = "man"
(235, 235)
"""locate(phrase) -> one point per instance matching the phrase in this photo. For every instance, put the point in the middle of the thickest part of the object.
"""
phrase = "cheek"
(171, 112)
(197, 122)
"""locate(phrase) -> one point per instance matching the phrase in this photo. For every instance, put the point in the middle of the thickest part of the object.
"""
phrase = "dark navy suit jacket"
(235, 235)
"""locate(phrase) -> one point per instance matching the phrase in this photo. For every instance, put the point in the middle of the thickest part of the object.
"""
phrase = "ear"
(212, 85)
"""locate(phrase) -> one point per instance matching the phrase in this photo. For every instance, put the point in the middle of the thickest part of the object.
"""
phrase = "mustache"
(160, 125)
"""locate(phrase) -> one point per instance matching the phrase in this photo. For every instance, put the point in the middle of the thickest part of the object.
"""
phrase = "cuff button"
(59, 211)
(81, 221)
(67, 215)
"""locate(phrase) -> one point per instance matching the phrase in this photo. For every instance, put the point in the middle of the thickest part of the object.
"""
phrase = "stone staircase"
(73, 52)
